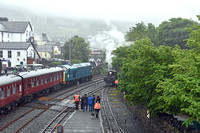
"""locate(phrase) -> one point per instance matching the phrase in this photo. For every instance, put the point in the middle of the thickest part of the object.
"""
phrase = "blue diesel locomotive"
(76, 73)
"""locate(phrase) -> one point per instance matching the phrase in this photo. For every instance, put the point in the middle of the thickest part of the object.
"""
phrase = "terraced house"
(17, 43)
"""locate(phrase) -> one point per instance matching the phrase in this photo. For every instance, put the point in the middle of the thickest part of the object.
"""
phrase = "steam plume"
(107, 40)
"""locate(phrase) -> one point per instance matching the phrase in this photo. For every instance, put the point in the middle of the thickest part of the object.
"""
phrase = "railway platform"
(78, 121)
(83, 122)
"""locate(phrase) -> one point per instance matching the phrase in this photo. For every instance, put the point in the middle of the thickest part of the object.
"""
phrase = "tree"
(173, 32)
(77, 48)
(120, 54)
(141, 31)
(163, 78)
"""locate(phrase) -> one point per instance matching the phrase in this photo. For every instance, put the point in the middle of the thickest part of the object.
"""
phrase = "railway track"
(51, 126)
(59, 119)
(110, 123)
(26, 118)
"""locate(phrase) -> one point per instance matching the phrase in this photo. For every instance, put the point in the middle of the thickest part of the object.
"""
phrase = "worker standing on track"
(77, 99)
(97, 108)
(116, 83)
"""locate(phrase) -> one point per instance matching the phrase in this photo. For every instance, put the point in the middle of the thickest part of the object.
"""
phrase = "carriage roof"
(8, 79)
(40, 72)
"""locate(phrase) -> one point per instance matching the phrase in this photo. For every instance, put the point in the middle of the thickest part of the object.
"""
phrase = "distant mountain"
(61, 28)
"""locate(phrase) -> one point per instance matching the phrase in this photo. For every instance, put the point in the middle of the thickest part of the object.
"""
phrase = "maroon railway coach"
(10, 92)
(22, 87)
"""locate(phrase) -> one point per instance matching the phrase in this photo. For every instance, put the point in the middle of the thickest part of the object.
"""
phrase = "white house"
(16, 53)
(17, 43)
(15, 31)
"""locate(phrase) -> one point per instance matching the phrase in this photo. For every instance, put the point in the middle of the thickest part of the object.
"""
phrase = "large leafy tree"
(78, 48)
(164, 78)
(181, 93)
(173, 32)
(142, 70)
(141, 31)
(120, 54)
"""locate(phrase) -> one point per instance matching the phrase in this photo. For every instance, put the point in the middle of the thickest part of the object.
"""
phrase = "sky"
(154, 11)
(147, 11)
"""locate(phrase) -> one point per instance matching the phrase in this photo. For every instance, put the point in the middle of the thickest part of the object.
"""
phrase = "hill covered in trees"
(59, 27)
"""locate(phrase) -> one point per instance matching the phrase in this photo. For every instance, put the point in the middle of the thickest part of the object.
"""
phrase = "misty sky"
(154, 11)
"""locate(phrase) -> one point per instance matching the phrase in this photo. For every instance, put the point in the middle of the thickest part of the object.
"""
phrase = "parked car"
(32, 67)
(20, 68)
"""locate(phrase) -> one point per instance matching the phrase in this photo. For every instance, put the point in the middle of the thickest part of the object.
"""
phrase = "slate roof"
(14, 26)
(15, 45)
(41, 48)
(44, 37)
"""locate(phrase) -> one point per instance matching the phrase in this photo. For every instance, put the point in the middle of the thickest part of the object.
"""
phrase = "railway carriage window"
(46, 79)
(8, 91)
(41, 80)
(33, 82)
(51, 78)
(20, 88)
(54, 76)
(2, 93)
(14, 88)
(57, 76)
(37, 81)
(60, 75)
(17, 87)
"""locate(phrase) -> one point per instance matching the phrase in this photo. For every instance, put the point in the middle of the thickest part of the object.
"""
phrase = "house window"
(26, 33)
(18, 53)
(9, 54)
(1, 54)
(9, 64)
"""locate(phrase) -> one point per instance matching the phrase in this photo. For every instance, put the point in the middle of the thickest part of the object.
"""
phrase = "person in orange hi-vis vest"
(77, 99)
(97, 108)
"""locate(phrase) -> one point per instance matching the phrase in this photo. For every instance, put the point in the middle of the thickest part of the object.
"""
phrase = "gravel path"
(127, 120)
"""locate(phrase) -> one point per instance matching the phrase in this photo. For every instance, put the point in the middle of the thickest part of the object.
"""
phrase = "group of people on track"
(88, 102)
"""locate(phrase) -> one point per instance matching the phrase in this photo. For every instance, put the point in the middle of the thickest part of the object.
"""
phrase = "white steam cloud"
(107, 41)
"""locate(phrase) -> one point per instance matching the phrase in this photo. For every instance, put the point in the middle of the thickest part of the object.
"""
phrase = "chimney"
(3, 19)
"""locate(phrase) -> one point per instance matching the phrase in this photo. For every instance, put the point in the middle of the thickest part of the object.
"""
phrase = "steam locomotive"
(110, 78)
